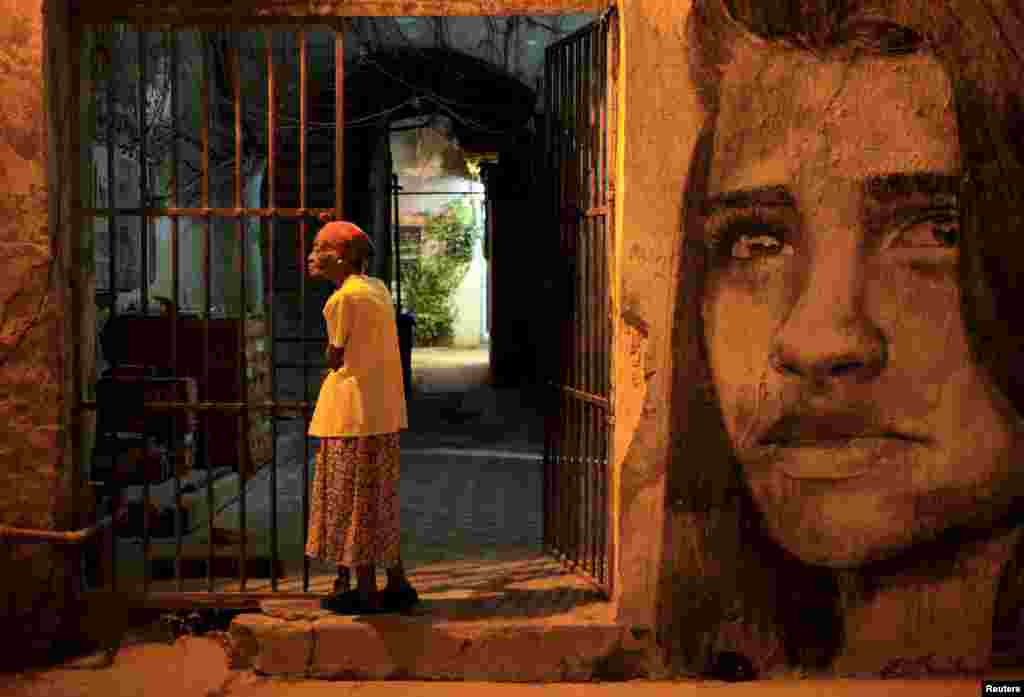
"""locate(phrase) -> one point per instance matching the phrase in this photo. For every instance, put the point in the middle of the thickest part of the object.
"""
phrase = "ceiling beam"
(198, 12)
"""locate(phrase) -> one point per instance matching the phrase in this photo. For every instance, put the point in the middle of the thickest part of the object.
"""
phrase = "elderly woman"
(852, 223)
(354, 512)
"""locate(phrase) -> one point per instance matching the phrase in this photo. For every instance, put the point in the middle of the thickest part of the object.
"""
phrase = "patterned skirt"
(353, 511)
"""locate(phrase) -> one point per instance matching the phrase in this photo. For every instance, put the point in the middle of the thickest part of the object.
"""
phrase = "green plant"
(429, 282)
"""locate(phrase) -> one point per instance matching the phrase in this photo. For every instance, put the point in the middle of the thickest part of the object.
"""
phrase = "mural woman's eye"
(746, 236)
(750, 246)
(935, 232)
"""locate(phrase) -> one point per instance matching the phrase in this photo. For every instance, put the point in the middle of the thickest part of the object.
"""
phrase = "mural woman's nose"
(827, 336)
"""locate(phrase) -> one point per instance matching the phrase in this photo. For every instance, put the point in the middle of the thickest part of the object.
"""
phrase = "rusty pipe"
(71, 537)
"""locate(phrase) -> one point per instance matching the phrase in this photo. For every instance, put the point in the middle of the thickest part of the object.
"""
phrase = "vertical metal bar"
(565, 461)
(79, 146)
(339, 120)
(205, 388)
(302, 302)
(593, 126)
(144, 280)
(112, 276)
(175, 294)
(556, 394)
(587, 155)
(604, 424)
(143, 171)
(593, 469)
(611, 119)
(270, 226)
(574, 498)
(563, 468)
(602, 200)
(597, 303)
(548, 422)
(244, 460)
(581, 257)
(588, 300)
(398, 241)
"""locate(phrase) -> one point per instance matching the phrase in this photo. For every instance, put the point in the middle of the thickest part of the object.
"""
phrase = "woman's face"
(832, 306)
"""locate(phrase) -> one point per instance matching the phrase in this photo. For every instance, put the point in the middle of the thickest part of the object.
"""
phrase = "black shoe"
(350, 603)
(400, 600)
(347, 603)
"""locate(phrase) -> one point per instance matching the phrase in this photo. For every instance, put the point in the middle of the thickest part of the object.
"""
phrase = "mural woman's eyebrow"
(757, 197)
(887, 188)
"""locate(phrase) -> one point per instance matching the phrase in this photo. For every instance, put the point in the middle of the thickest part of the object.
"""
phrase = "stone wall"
(32, 333)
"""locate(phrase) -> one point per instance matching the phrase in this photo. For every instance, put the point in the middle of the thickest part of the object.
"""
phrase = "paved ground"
(471, 474)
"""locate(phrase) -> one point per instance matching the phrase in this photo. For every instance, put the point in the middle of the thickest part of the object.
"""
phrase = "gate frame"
(601, 203)
(62, 41)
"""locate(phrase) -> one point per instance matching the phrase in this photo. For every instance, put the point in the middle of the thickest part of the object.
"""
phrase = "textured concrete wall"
(32, 331)
(658, 122)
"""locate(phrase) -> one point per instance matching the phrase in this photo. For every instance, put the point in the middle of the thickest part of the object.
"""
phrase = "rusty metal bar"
(603, 159)
(144, 274)
(575, 498)
(546, 479)
(303, 97)
(397, 236)
(112, 259)
(271, 225)
(339, 119)
(442, 193)
(586, 224)
(215, 212)
(558, 142)
(143, 171)
(602, 425)
(565, 459)
(564, 467)
(288, 406)
(610, 61)
(590, 512)
(593, 302)
(204, 389)
(244, 459)
(69, 537)
(195, 13)
(176, 295)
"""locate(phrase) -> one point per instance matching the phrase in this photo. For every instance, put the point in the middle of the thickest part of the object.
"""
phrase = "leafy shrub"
(429, 282)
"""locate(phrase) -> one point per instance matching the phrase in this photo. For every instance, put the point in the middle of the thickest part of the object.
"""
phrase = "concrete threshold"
(513, 621)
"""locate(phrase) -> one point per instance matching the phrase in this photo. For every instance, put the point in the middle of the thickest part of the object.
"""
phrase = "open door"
(580, 114)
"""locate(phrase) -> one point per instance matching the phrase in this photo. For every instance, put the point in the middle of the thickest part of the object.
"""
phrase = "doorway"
(197, 241)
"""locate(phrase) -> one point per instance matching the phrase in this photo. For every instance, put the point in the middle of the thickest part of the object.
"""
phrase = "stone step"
(295, 638)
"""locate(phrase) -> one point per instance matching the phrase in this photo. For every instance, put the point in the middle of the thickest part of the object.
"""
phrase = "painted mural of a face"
(832, 310)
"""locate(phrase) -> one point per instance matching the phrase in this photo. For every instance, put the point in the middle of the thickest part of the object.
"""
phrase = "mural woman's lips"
(838, 459)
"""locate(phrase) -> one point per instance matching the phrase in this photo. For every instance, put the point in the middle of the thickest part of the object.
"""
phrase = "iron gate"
(580, 111)
(202, 407)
